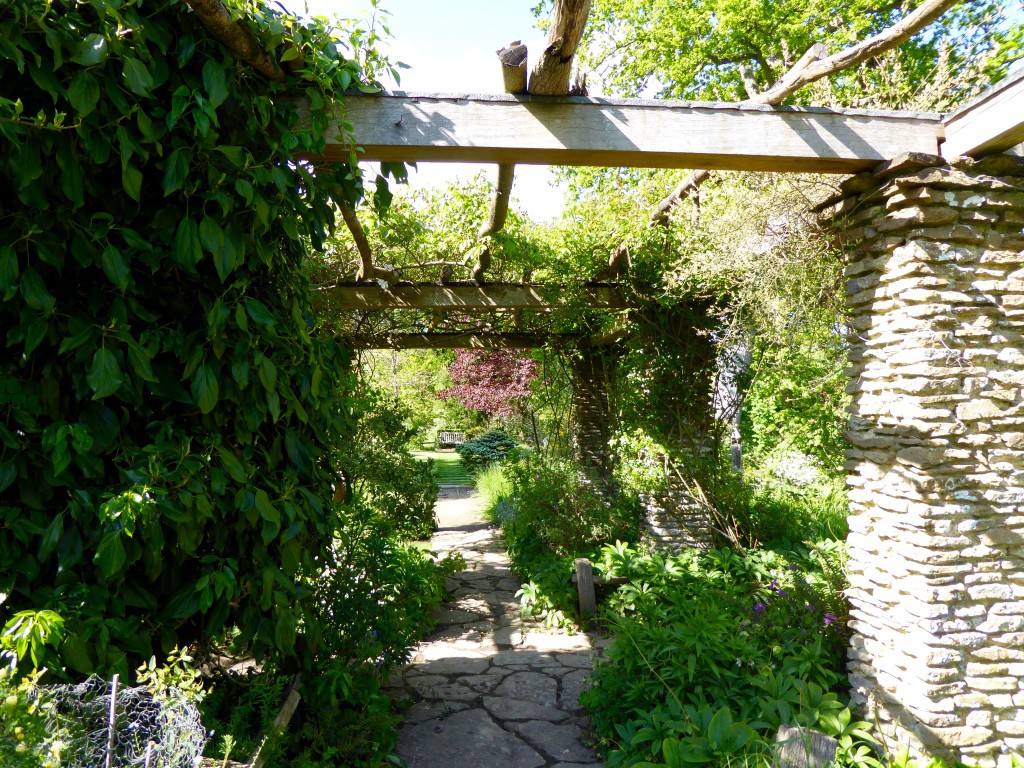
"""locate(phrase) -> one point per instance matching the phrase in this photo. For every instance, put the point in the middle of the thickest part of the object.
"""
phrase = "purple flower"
(774, 584)
(809, 606)
(760, 607)
(830, 618)
(783, 593)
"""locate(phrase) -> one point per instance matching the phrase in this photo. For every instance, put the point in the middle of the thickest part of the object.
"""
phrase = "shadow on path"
(489, 690)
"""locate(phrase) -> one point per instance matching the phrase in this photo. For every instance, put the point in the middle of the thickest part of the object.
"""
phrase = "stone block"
(991, 684)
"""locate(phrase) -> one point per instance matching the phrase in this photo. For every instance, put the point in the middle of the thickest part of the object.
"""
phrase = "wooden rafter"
(465, 297)
(993, 122)
(458, 341)
(576, 130)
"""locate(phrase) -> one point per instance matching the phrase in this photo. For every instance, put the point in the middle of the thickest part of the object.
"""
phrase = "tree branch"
(513, 67)
(238, 40)
(898, 33)
(813, 66)
(366, 270)
(550, 76)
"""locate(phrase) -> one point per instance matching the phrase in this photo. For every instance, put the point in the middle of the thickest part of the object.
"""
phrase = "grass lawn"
(448, 468)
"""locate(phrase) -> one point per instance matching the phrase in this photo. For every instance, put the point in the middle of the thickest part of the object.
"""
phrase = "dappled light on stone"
(487, 688)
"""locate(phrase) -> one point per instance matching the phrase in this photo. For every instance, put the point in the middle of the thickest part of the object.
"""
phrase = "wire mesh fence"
(103, 725)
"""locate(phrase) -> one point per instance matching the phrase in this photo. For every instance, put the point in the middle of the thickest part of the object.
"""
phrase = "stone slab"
(516, 709)
(530, 686)
(559, 741)
(467, 739)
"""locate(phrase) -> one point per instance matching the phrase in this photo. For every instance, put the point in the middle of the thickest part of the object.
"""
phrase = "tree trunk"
(551, 75)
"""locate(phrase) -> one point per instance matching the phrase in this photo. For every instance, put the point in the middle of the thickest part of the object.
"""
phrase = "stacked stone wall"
(935, 282)
(675, 520)
(592, 372)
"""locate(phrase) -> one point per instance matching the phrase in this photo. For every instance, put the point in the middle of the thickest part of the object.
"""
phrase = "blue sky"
(450, 47)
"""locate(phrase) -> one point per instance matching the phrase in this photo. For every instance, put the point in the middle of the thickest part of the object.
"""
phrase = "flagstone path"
(487, 689)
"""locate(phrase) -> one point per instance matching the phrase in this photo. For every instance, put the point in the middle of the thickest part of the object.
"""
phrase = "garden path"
(487, 688)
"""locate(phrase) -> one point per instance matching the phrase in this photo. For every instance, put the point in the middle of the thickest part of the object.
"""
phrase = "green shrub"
(170, 400)
(376, 601)
(713, 651)
(489, 448)
(492, 486)
(555, 501)
(29, 737)
(383, 473)
(550, 514)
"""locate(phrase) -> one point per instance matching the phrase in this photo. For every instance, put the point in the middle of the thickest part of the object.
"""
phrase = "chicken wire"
(155, 732)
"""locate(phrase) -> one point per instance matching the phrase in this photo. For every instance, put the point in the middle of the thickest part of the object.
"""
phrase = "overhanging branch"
(239, 41)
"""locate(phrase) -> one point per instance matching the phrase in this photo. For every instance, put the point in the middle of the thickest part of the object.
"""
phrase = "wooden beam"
(578, 130)
(353, 296)
(993, 122)
(457, 341)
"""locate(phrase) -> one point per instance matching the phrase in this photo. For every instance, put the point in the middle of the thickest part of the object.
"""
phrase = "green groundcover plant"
(715, 650)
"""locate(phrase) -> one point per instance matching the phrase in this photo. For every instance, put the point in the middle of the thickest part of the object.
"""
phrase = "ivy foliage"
(167, 400)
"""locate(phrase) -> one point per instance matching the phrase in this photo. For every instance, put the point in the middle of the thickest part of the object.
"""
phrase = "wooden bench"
(450, 439)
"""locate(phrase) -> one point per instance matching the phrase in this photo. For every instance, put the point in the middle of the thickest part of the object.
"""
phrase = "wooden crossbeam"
(577, 130)
(464, 297)
(992, 122)
(457, 341)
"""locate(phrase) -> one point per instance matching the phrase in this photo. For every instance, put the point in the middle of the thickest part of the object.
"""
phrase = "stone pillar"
(592, 372)
(936, 472)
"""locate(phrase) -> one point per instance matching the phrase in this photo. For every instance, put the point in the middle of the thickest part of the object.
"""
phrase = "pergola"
(934, 228)
(577, 130)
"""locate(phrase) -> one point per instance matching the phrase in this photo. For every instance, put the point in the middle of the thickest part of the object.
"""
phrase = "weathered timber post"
(936, 474)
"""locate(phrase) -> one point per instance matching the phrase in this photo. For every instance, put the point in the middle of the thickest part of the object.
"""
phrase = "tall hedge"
(166, 401)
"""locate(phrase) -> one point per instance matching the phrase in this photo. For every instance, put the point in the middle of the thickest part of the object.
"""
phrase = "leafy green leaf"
(110, 555)
(268, 374)
(176, 170)
(231, 464)
(8, 271)
(205, 388)
(84, 92)
(139, 359)
(137, 77)
(183, 603)
(211, 235)
(187, 250)
(266, 508)
(259, 313)
(34, 291)
(8, 474)
(214, 82)
(75, 653)
(104, 374)
(284, 633)
(92, 50)
(115, 266)
(131, 180)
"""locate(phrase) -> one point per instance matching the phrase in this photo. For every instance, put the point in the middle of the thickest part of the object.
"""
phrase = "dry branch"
(366, 270)
(551, 75)
(513, 67)
(813, 66)
(239, 42)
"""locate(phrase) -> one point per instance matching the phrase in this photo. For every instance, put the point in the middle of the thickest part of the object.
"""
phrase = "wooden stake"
(111, 722)
(585, 586)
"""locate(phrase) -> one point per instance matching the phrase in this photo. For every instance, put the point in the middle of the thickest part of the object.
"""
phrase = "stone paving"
(488, 689)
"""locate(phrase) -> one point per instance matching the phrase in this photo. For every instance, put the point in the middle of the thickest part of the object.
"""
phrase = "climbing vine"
(168, 401)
